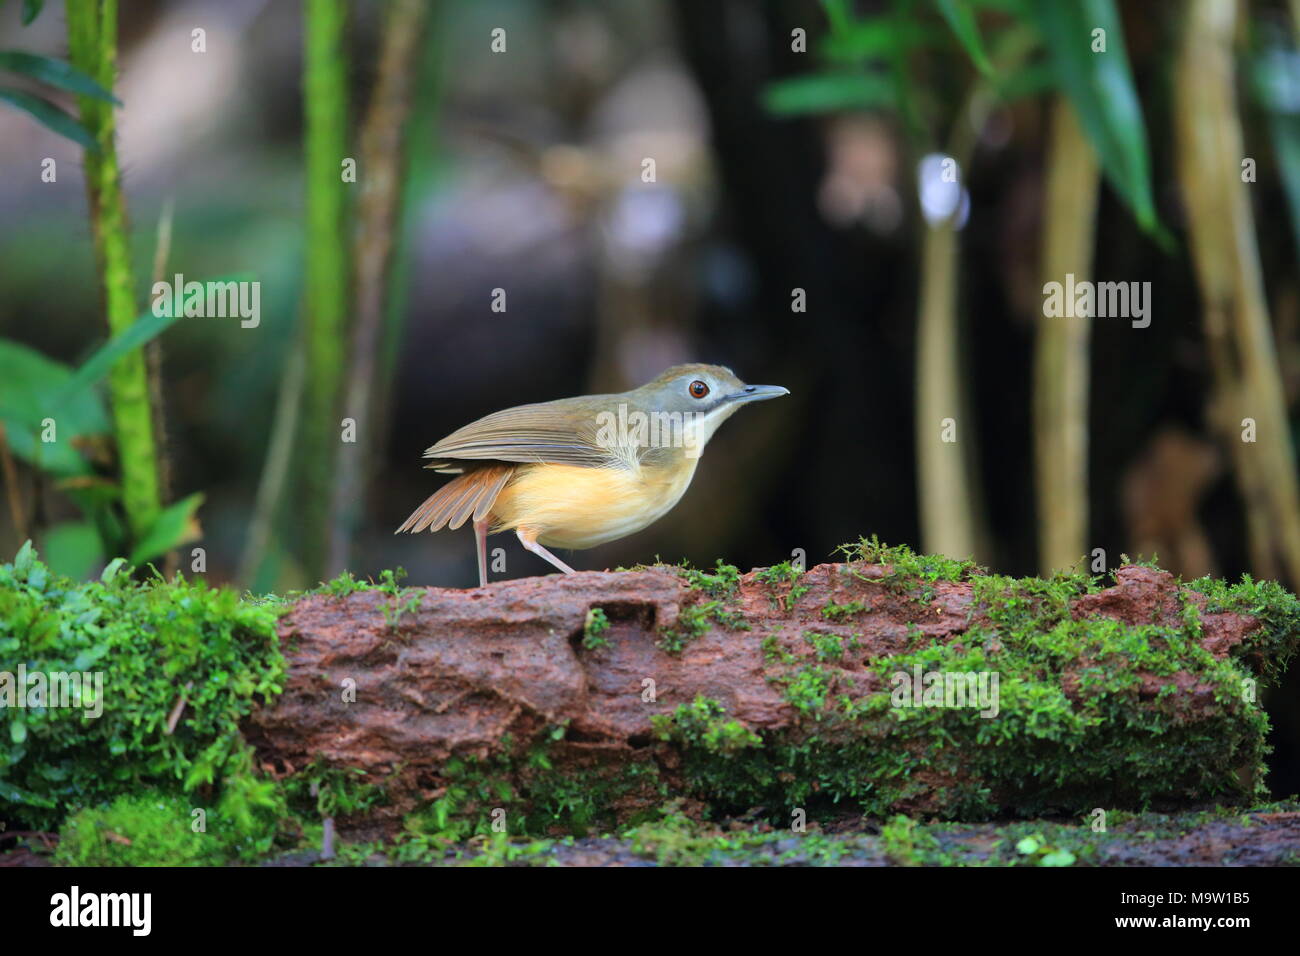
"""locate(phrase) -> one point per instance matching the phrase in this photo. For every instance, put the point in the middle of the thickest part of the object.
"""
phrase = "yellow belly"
(569, 506)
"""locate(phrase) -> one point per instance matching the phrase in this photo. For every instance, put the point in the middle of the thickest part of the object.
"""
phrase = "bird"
(578, 472)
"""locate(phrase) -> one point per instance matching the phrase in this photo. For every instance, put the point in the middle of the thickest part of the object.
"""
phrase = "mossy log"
(589, 700)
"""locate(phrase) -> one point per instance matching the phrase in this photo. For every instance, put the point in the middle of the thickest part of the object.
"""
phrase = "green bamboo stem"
(326, 280)
(378, 225)
(92, 43)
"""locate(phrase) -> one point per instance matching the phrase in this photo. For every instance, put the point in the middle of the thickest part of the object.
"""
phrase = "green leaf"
(113, 568)
(1100, 86)
(962, 20)
(172, 527)
(24, 558)
(30, 392)
(55, 73)
(1276, 82)
(32, 387)
(10, 793)
(1057, 858)
(1029, 844)
(50, 116)
(146, 328)
(864, 40)
(826, 92)
(1029, 80)
(18, 731)
(31, 10)
(72, 548)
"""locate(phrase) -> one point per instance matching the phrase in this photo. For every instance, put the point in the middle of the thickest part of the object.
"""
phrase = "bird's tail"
(472, 493)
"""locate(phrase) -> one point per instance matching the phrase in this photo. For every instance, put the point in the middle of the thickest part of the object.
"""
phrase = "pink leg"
(529, 540)
(480, 541)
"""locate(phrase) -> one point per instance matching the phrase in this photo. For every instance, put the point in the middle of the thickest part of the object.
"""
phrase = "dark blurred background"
(524, 172)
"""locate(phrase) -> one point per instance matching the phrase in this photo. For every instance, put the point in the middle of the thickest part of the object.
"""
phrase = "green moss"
(774, 653)
(905, 842)
(694, 620)
(159, 648)
(906, 563)
(807, 690)
(167, 829)
(1073, 729)
(837, 612)
(719, 583)
(830, 647)
(1269, 603)
(319, 790)
(784, 573)
(520, 791)
(151, 830)
(702, 723)
(597, 624)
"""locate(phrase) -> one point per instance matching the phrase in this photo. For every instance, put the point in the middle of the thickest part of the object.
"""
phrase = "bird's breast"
(570, 506)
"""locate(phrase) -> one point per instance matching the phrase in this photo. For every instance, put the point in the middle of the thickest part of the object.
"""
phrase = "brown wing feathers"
(562, 432)
(472, 493)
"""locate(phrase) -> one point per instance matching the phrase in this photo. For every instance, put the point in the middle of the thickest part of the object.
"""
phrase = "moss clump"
(521, 791)
(151, 830)
(808, 689)
(177, 664)
(1269, 603)
(906, 842)
(702, 723)
(1072, 722)
(784, 573)
(716, 751)
(837, 612)
(695, 620)
(907, 564)
(720, 583)
(158, 828)
(319, 790)
(830, 647)
(596, 625)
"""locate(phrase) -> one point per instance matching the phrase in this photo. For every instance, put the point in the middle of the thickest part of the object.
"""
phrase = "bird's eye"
(698, 389)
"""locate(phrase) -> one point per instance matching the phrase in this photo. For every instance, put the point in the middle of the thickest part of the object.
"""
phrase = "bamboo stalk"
(326, 280)
(1247, 381)
(1061, 348)
(92, 43)
(948, 523)
(377, 227)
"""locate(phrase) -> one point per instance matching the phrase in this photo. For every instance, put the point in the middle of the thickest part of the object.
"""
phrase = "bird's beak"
(757, 393)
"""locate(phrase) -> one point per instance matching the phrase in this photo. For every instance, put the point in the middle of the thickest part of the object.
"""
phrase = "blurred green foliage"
(1077, 48)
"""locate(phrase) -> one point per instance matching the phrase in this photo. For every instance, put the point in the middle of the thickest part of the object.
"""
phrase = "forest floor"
(1267, 835)
(1262, 836)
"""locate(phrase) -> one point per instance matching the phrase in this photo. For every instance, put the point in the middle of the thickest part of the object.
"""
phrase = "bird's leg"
(529, 540)
(480, 542)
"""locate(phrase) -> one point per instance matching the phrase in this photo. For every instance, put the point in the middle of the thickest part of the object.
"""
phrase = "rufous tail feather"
(470, 494)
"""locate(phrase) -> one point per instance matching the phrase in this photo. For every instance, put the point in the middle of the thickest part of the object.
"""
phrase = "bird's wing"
(561, 432)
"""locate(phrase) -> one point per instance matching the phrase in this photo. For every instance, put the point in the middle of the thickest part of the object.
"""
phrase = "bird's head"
(701, 397)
